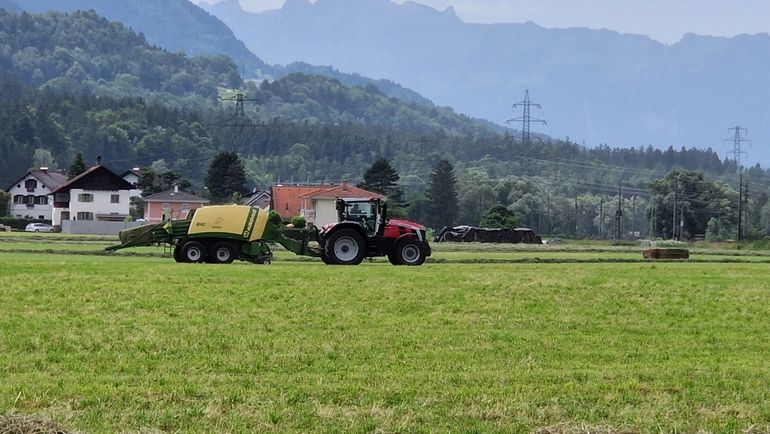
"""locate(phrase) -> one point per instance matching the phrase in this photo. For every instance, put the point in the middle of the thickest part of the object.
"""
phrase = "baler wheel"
(193, 251)
(178, 253)
(222, 253)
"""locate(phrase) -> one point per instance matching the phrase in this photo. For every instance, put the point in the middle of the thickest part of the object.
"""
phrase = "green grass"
(128, 344)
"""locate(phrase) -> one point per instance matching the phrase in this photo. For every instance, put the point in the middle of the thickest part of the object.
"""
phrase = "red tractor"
(363, 230)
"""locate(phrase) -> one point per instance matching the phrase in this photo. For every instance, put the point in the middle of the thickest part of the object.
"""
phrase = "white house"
(31, 196)
(319, 208)
(132, 176)
(96, 195)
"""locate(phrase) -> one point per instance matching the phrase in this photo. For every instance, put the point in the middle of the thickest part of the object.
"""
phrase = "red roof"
(288, 199)
(285, 198)
(344, 191)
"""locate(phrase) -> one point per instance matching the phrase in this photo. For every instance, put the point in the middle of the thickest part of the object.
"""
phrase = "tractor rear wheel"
(222, 253)
(345, 247)
(409, 252)
(193, 251)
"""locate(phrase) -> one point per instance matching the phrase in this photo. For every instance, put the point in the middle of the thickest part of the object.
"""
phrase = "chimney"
(44, 168)
(176, 188)
(98, 160)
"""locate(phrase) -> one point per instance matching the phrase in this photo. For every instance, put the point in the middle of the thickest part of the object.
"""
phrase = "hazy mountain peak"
(9, 6)
(290, 4)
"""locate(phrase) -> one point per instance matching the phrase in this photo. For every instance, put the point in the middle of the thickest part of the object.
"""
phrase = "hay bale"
(20, 424)
(666, 253)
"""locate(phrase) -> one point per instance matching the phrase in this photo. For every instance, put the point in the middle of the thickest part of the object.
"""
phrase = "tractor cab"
(370, 213)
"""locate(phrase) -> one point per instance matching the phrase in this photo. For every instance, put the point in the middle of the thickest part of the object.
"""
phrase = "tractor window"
(362, 212)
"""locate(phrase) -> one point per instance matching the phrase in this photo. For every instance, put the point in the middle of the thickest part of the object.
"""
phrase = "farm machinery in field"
(223, 233)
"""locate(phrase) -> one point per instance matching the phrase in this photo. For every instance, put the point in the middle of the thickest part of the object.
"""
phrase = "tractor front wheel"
(345, 247)
(409, 252)
(193, 251)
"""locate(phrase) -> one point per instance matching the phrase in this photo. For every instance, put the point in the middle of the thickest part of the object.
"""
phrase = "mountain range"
(595, 86)
(178, 25)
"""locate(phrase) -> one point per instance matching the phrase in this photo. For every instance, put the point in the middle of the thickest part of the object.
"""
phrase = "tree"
(475, 196)
(152, 181)
(382, 178)
(696, 200)
(44, 158)
(77, 167)
(442, 196)
(499, 217)
(5, 201)
(226, 175)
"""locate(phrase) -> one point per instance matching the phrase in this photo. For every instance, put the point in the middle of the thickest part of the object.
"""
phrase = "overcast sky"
(663, 20)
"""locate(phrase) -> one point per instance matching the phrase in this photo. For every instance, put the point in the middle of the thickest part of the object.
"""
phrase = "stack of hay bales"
(470, 234)
(657, 253)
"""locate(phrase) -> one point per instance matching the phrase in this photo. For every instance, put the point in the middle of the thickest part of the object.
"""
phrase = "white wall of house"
(87, 204)
(325, 212)
(34, 204)
(134, 180)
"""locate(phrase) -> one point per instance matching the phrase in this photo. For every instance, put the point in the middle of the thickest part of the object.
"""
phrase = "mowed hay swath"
(117, 344)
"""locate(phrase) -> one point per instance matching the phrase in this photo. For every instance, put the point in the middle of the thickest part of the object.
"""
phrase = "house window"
(85, 197)
(30, 200)
(41, 217)
(82, 215)
(114, 198)
(185, 206)
(18, 199)
(166, 206)
(65, 215)
(41, 200)
(30, 184)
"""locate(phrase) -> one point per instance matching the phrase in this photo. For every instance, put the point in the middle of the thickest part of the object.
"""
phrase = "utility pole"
(652, 219)
(619, 214)
(673, 222)
(601, 217)
(742, 197)
(550, 222)
(746, 209)
(577, 221)
(633, 216)
(737, 141)
(526, 119)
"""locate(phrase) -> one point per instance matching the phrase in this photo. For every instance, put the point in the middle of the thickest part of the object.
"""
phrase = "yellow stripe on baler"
(259, 225)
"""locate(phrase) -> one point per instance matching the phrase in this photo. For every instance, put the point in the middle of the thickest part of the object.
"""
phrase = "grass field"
(142, 344)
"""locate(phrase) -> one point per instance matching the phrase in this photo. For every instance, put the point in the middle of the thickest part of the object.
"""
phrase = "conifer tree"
(442, 196)
(77, 167)
(226, 175)
(382, 178)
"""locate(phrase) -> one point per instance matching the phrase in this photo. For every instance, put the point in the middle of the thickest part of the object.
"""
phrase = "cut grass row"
(114, 344)
(442, 252)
